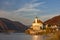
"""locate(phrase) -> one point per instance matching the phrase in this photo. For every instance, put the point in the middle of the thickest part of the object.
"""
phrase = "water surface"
(20, 36)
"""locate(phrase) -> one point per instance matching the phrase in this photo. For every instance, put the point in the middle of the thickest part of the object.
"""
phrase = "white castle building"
(37, 24)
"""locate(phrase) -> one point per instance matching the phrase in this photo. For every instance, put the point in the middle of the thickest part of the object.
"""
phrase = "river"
(20, 36)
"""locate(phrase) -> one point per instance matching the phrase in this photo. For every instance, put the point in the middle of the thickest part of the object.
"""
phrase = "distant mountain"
(6, 24)
(53, 21)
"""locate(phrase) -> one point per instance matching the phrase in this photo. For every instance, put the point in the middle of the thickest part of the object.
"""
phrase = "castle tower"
(37, 24)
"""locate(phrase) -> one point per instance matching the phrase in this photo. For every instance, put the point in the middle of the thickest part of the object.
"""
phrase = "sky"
(26, 10)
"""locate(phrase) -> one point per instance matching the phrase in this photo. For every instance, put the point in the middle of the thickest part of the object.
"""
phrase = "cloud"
(46, 17)
(27, 13)
(14, 17)
(29, 9)
(3, 13)
(7, 5)
(26, 9)
(33, 1)
(25, 20)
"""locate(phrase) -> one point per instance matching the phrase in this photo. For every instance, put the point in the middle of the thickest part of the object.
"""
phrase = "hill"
(53, 21)
(6, 24)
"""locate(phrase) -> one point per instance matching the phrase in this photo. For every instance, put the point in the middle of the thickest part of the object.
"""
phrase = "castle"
(38, 26)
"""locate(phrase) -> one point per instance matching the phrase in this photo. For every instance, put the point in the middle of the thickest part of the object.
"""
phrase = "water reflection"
(21, 36)
(37, 37)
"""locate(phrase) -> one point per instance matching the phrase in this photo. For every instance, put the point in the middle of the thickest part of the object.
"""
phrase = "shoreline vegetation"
(51, 34)
(42, 31)
(54, 36)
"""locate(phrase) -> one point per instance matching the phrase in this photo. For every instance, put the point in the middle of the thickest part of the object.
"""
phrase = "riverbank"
(53, 36)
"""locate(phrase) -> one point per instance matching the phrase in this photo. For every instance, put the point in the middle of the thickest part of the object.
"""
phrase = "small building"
(55, 27)
(52, 27)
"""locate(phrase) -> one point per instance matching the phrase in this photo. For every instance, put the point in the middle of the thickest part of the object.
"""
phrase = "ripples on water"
(20, 36)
